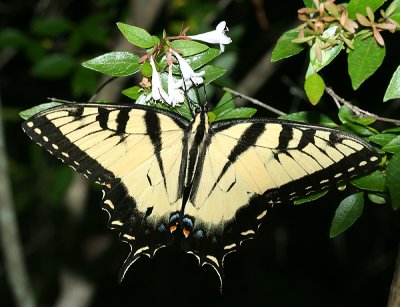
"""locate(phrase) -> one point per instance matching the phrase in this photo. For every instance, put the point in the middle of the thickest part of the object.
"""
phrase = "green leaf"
(393, 90)
(84, 82)
(310, 117)
(199, 60)
(188, 47)
(311, 197)
(36, 109)
(393, 182)
(359, 6)
(285, 48)
(309, 3)
(146, 69)
(54, 26)
(225, 104)
(375, 181)
(212, 72)
(13, 38)
(393, 146)
(53, 66)
(347, 213)
(345, 114)
(364, 121)
(364, 60)
(396, 14)
(117, 63)
(133, 92)
(327, 54)
(390, 130)
(237, 113)
(314, 87)
(136, 36)
(382, 138)
(377, 198)
(359, 129)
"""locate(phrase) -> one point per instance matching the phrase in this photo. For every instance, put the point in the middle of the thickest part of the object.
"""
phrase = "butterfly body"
(213, 181)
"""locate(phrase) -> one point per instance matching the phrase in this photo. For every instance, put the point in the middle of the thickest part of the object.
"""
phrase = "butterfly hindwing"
(248, 164)
(132, 152)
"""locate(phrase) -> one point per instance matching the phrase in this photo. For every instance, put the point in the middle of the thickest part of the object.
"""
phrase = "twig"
(10, 241)
(254, 101)
(359, 112)
(394, 296)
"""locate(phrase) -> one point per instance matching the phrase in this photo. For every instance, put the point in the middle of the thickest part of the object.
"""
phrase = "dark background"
(292, 261)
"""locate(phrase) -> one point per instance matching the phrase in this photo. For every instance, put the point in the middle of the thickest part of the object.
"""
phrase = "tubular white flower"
(188, 74)
(175, 94)
(217, 36)
(157, 92)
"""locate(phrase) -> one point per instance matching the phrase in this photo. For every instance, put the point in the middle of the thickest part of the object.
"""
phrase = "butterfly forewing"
(132, 152)
(245, 161)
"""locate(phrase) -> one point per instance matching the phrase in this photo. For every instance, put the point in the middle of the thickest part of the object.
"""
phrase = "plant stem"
(359, 112)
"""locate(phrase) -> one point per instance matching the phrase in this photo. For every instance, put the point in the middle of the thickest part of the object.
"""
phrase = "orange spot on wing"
(186, 232)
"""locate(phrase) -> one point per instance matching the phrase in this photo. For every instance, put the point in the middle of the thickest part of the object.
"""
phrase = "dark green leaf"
(136, 36)
(212, 73)
(376, 198)
(54, 26)
(347, 213)
(84, 82)
(359, 6)
(382, 138)
(188, 47)
(285, 48)
(314, 87)
(13, 38)
(311, 197)
(199, 60)
(36, 109)
(237, 113)
(394, 130)
(393, 146)
(375, 181)
(310, 117)
(345, 114)
(359, 129)
(309, 3)
(393, 90)
(117, 63)
(393, 182)
(364, 60)
(225, 104)
(53, 66)
(133, 92)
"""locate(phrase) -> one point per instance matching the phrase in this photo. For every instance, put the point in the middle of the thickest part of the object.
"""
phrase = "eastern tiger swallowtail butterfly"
(160, 172)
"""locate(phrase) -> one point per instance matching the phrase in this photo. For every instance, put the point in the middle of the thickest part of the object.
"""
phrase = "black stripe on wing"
(211, 245)
(144, 238)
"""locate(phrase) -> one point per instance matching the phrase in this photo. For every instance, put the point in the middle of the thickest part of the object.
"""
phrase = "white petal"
(217, 36)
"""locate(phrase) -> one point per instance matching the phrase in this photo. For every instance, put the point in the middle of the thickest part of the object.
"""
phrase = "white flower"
(157, 92)
(175, 94)
(217, 36)
(189, 76)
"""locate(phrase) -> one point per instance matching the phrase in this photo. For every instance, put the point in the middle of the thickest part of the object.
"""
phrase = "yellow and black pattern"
(214, 182)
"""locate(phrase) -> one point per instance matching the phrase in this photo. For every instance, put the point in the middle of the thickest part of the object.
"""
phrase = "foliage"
(328, 29)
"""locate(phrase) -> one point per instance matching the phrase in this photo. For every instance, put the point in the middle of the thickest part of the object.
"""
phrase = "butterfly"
(213, 182)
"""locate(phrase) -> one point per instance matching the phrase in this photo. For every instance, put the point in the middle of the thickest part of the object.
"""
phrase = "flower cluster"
(328, 14)
(175, 94)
